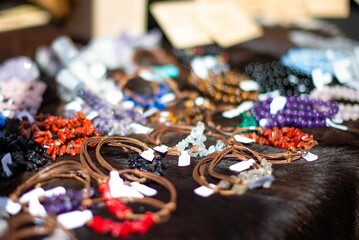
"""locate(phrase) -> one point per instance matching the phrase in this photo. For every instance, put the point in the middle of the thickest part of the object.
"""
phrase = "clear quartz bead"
(211, 149)
(220, 146)
(224, 184)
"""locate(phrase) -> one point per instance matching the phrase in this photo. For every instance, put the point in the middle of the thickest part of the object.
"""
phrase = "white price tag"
(242, 139)
(244, 106)
(36, 209)
(125, 191)
(9, 206)
(263, 122)
(169, 97)
(6, 160)
(277, 104)
(161, 149)
(204, 191)
(231, 113)
(74, 219)
(241, 166)
(150, 112)
(119, 189)
(148, 154)
(249, 85)
(342, 70)
(184, 159)
(35, 193)
(265, 96)
(145, 190)
(55, 191)
(320, 79)
(310, 157)
(139, 128)
(330, 123)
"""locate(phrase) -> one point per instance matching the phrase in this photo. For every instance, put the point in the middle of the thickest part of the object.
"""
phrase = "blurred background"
(25, 25)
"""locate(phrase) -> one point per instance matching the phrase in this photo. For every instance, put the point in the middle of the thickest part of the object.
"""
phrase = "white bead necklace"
(334, 93)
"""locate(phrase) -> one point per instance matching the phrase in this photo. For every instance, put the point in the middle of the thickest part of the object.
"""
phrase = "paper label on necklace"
(265, 96)
(241, 166)
(310, 157)
(6, 160)
(161, 149)
(55, 191)
(125, 191)
(145, 190)
(204, 191)
(150, 112)
(184, 159)
(330, 123)
(148, 154)
(249, 85)
(35, 193)
(74, 219)
(321, 79)
(139, 128)
(278, 103)
(263, 122)
(9, 206)
(232, 113)
(242, 139)
(119, 189)
(36, 209)
(244, 106)
(168, 97)
(128, 104)
(342, 71)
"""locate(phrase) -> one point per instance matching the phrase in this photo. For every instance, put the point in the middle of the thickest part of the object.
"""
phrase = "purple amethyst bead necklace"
(300, 112)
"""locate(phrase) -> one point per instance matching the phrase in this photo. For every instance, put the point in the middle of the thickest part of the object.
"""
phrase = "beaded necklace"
(305, 60)
(274, 76)
(19, 154)
(298, 112)
(224, 87)
(292, 139)
(347, 111)
(59, 135)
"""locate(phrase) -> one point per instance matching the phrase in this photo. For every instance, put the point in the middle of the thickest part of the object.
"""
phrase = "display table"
(307, 200)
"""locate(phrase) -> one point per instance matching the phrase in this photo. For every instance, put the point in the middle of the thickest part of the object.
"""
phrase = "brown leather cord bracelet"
(230, 185)
(24, 226)
(65, 169)
(129, 175)
(275, 158)
(165, 209)
(156, 135)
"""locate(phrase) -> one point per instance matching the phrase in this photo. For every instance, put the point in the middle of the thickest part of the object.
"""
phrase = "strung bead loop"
(298, 112)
